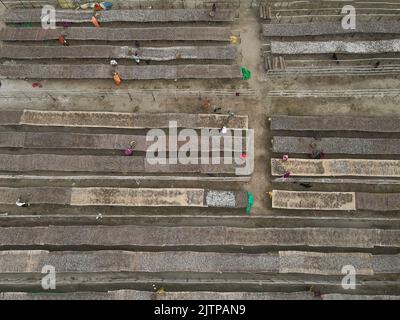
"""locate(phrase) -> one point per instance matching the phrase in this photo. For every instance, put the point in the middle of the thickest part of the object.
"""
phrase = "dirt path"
(250, 49)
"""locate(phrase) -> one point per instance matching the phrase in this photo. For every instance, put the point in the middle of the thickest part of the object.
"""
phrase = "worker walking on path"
(286, 175)
(136, 57)
(316, 153)
(223, 130)
(230, 114)
(213, 10)
(217, 110)
(129, 151)
(334, 57)
(21, 203)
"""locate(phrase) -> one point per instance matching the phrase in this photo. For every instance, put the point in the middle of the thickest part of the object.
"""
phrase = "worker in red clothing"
(97, 7)
(63, 41)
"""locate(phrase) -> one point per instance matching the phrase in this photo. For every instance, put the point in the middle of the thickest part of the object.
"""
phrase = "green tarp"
(249, 202)
(246, 74)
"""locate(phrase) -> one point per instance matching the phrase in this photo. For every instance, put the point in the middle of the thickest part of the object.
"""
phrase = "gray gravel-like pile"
(145, 295)
(197, 236)
(74, 16)
(124, 261)
(100, 71)
(337, 145)
(325, 47)
(68, 163)
(386, 263)
(326, 263)
(118, 34)
(114, 52)
(335, 123)
(329, 28)
(224, 199)
(120, 119)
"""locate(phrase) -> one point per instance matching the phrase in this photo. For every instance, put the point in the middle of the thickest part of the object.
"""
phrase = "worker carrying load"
(117, 78)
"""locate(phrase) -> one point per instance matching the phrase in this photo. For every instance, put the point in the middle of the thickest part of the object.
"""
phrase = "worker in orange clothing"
(117, 78)
(95, 22)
